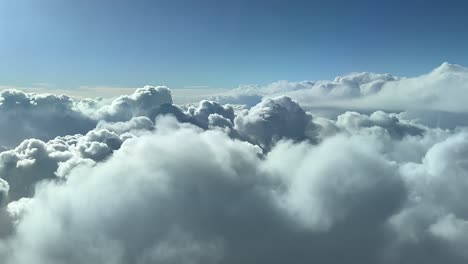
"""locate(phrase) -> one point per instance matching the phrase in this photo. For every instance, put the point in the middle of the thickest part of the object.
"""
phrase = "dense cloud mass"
(138, 179)
(275, 119)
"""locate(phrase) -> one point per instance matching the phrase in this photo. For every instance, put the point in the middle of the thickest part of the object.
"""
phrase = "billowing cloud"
(186, 194)
(35, 160)
(143, 102)
(394, 125)
(274, 119)
(440, 90)
(351, 85)
(138, 179)
(27, 115)
(45, 116)
(201, 114)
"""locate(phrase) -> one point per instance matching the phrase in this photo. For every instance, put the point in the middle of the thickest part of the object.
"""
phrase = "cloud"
(393, 124)
(35, 160)
(212, 199)
(321, 194)
(435, 215)
(138, 179)
(136, 123)
(143, 102)
(201, 114)
(274, 119)
(37, 115)
(351, 85)
(442, 89)
(239, 97)
(45, 116)
(4, 188)
(147, 194)
(434, 98)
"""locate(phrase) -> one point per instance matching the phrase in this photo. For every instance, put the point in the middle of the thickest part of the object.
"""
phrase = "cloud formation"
(213, 199)
(274, 119)
(35, 160)
(27, 115)
(442, 89)
(45, 116)
(138, 179)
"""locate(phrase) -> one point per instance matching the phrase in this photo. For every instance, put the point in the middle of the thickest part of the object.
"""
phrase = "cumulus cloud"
(351, 85)
(45, 116)
(393, 124)
(35, 160)
(210, 113)
(27, 115)
(143, 102)
(157, 196)
(138, 179)
(440, 90)
(275, 119)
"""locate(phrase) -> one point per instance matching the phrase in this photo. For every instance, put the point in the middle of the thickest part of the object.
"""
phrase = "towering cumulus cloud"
(141, 180)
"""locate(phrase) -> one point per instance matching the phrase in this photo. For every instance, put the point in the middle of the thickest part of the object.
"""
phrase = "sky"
(222, 44)
(365, 168)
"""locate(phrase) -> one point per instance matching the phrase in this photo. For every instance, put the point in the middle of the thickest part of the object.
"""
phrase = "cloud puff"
(35, 160)
(143, 102)
(393, 124)
(210, 113)
(275, 119)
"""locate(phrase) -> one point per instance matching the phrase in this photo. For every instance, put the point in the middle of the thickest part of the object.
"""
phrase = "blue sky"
(221, 44)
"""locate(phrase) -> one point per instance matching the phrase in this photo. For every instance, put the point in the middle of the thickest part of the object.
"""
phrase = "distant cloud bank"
(442, 89)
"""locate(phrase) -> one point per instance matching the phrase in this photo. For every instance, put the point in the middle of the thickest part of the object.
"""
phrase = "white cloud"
(217, 199)
(274, 119)
(141, 180)
(442, 89)
(37, 115)
(35, 160)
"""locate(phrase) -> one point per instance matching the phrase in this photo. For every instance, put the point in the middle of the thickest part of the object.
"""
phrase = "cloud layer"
(140, 180)
(442, 89)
